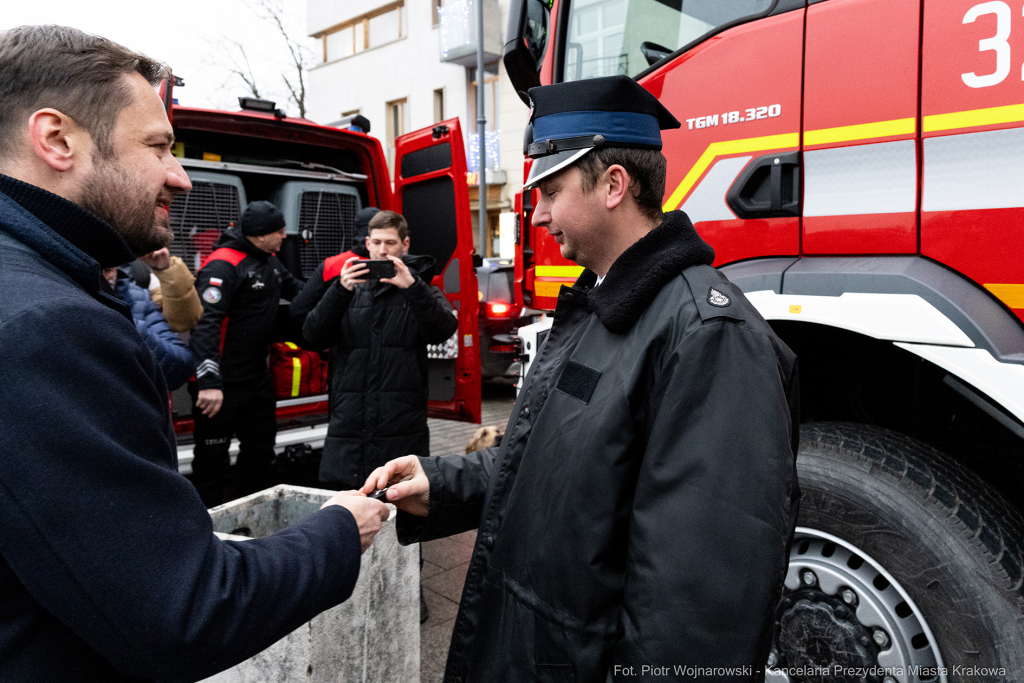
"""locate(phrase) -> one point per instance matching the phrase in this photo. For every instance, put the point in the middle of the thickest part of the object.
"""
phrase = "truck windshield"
(610, 37)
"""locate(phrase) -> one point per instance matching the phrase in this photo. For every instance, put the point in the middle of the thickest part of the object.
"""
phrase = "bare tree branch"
(300, 54)
(232, 56)
(246, 73)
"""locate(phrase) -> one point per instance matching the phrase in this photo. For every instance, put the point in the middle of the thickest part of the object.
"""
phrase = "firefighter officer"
(240, 284)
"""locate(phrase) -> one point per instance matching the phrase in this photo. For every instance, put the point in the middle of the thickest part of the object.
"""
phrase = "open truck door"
(431, 192)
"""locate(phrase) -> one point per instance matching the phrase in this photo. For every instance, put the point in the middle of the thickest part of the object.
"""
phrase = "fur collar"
(641, 271)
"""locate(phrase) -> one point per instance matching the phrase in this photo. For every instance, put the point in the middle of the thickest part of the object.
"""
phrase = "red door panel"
(431, 192)
(860, 127)
(738, 97)
(972, 198)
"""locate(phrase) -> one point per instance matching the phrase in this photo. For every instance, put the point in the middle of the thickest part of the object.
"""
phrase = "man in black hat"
(240, 285)
(633, 524)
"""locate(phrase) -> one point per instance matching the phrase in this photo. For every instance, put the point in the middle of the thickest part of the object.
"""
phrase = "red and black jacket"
(322, 278)
(240, 286)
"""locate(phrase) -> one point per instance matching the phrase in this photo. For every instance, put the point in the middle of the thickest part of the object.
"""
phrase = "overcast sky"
(190, 35)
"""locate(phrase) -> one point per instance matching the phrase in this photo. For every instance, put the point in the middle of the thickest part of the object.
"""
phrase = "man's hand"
(369, 513)
(403, 278)
(410, 488)
(157, 260)
(209, 401)
(352, 271)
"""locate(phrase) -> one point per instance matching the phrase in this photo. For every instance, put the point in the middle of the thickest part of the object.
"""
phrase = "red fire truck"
(320, 177)
(858, 167)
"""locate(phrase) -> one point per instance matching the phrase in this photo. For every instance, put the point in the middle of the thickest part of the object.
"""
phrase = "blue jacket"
(109, 569)
(172, 355)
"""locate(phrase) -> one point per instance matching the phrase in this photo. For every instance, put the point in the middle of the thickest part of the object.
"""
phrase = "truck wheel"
(905, 567)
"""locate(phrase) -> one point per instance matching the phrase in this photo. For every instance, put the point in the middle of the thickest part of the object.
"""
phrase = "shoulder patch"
(713, 294)
(211, 295)
(716, 298)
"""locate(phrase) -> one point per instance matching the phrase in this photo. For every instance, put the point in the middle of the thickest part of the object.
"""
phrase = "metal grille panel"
(326, 227)
(198, 217)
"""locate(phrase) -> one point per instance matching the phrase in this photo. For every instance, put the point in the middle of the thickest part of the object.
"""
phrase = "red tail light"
(498, 309)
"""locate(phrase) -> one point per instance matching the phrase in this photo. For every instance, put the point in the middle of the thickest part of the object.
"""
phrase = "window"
(372, 29)
(384, 28)
(609, 37)
(492, 135)
(397, 124)
(439, 105)
(490, 102)
(340, 44)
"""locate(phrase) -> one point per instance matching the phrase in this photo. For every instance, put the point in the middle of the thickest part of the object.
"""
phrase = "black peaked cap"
(611, 93)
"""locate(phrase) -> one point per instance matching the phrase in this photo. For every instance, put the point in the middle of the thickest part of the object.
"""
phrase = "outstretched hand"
(409, 487)
(369, 513)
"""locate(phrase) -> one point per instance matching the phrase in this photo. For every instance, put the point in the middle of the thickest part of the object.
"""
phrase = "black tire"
(947, 538)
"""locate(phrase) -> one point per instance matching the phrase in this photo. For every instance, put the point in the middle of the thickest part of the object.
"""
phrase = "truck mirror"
(526, 43)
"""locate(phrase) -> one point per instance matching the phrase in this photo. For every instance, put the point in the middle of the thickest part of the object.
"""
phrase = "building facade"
(383, 60)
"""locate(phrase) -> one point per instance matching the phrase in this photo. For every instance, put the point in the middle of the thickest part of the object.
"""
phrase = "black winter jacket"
(378, 400)
(171, 354)
(109, 569)
(639, 508)
(240, 290)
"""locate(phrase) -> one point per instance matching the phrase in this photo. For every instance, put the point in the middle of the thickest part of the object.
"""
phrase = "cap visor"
(552, 164)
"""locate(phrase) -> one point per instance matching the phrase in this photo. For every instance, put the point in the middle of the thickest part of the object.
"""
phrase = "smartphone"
(380, 494)
(378, 268)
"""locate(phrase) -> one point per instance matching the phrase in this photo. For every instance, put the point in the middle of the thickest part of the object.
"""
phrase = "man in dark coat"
(633, 524)
(378, 331)
(241, 285)
(109, 568)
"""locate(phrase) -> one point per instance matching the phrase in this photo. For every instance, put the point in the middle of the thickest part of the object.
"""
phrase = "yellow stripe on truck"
(296, 376)
(860, 131)
(1009, 294)
(974, 117)
(717, 149)
(558, 271)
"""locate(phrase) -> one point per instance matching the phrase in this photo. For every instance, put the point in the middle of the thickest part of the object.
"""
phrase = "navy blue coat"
(172, 355)
(109, 569)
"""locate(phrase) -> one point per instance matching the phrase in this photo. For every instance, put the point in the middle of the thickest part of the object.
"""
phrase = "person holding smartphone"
(378, 329)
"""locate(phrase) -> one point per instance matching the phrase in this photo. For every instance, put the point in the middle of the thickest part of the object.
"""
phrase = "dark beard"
(112, 195)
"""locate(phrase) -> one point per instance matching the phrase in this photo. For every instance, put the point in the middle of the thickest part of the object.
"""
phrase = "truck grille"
(326, 227)
(198, 217)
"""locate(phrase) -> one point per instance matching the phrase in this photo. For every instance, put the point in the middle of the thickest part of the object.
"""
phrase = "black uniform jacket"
(109, 569)
(639, 508)
(378, 400)
(240, 286)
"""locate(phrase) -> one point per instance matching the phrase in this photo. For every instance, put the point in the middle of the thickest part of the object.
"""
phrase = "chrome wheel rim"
(872, 612)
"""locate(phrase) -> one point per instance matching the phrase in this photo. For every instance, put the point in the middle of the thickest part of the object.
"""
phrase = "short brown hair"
(76, 73)
(646, 169)
(383, 220)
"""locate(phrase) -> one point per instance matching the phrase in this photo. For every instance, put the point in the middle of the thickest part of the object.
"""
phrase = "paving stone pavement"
(446, 560)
